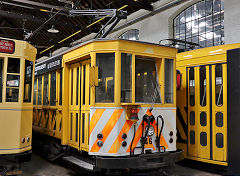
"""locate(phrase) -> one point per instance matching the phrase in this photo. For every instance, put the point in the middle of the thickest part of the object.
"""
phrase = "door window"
(191, 87)
(203, 84)
(218, 85)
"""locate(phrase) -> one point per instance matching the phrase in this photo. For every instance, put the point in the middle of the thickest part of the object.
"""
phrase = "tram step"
(79, 162)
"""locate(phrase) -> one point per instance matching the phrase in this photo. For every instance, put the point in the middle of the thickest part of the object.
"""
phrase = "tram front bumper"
(145, 161)
(15, 158)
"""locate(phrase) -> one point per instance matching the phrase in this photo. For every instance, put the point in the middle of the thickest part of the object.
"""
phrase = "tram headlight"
(150, 130)
(23, 140)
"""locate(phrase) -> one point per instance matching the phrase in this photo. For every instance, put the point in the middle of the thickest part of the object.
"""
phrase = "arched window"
(201, 23)
(132, 34)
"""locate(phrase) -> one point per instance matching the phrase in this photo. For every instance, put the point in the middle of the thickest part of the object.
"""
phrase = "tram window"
(13, 65)
(35, 92)
(12, 90)
(126, 77)
(203, 85)
(106, 71)
(45, 90)
(28, 81)
(218, 85)
(13, 80)
(191, 87)
(168, 81)
(60, 91)
(1, 72)
(145, 76)
(219, 140)
(39, 90)
(53, 89)
(203, 138)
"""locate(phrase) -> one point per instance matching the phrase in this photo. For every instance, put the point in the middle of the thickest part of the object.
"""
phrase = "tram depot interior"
(119, 87)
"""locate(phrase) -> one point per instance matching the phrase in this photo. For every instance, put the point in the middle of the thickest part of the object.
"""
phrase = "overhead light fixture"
(53, 30)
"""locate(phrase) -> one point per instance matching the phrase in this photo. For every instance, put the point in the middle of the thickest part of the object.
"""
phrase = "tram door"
(79, 105)
(74, 104)
(203, 107)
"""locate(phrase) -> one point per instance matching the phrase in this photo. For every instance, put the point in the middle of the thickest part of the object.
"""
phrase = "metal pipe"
(151, 13)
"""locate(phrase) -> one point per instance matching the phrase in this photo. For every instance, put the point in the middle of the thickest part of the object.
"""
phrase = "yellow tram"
(112, 103)
(206, 106)
(17, 59)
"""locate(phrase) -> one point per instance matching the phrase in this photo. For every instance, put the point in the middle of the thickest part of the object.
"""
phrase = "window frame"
(13, 74)
(195, 19)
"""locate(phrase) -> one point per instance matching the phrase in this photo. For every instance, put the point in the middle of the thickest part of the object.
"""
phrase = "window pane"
(191, 87)
(126, 77)
(53, 89)
(35, 92)
(28, 81)
(1, 79)
(199, 21)
(13, 80)
(45, 90)
(203, 88)
(12, 94)
(40, 90)
(106, 71)
(132, 34)
(168, 81)
(60, 91)
(145, 77)
(13, 65)
(219, 85)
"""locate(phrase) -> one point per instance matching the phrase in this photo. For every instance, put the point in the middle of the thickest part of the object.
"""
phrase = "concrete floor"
(40, 167)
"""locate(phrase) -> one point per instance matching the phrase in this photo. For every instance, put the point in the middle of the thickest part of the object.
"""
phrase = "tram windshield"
(147, 89)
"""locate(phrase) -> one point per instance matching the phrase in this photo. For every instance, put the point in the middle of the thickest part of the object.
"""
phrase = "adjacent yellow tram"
(207, 104)
(112, 103)
(17, 59)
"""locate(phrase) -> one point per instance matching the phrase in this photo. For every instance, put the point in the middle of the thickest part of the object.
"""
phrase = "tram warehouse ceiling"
(30, 20)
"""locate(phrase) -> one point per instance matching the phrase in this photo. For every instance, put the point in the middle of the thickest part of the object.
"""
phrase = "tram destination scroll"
(48, 65)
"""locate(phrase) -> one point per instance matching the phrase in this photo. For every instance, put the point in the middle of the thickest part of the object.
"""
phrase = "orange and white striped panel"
(112, 123)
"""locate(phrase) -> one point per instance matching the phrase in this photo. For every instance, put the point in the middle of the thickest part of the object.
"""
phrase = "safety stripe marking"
(162, 139)
(95, 118)
(117, 144)
(138, 135)
(108, 128)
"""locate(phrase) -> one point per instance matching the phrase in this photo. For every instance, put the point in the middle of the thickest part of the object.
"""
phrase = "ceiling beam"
(35, 4)
(14, 15)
